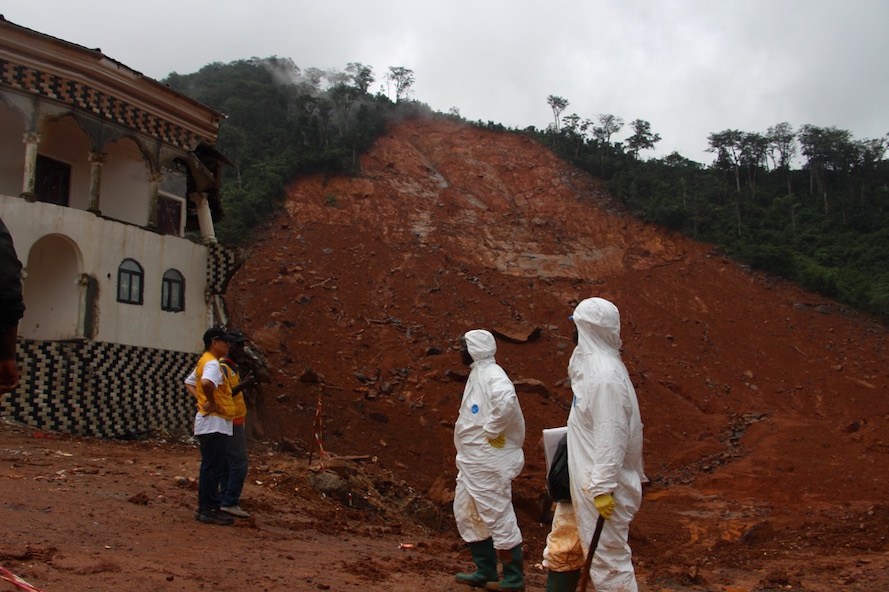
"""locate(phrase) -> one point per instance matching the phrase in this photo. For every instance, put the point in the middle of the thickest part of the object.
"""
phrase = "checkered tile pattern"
(101, 104)
(101, 389)
(221, 265)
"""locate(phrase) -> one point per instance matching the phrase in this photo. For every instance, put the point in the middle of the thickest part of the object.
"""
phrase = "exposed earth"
(765, 409)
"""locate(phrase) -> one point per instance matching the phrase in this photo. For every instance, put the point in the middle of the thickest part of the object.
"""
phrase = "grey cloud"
(690, 67)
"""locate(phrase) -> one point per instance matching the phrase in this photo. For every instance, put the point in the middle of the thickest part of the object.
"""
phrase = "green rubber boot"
(513, 572)
(485, 559)
(562, 581)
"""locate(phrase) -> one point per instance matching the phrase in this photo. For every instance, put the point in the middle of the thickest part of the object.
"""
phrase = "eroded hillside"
(766, 418)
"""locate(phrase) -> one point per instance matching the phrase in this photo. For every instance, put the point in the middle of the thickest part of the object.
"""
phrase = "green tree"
(558, 105)
(727, 146)
(362, 76)
(344, 97)
(782, 149)
(643, 138)
(575, 129)
(826, 149)
(403, 79)
(608, 126)
(754, 150)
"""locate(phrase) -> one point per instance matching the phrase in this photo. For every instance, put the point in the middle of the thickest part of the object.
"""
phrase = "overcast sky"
(689, 67)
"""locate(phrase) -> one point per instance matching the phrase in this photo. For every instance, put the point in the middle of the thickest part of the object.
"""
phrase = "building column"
(83, 282)
(96, 160)
(154, 181)
(29, 178)
(205, 219)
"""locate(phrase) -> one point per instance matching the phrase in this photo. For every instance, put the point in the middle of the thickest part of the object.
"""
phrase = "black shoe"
(213, 516)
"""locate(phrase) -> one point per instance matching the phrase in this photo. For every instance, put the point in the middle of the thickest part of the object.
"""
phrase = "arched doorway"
(54, 291)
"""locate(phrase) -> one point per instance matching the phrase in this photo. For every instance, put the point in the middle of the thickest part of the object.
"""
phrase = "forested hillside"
(283, 121)
(809, 204)
(823, 224)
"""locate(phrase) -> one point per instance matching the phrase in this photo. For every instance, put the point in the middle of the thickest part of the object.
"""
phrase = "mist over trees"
(283, 121)
(823, 224)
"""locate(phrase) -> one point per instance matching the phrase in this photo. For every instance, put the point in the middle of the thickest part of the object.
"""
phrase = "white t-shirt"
(209, 424)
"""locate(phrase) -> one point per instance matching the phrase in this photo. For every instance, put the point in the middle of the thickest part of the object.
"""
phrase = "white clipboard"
(551, 437)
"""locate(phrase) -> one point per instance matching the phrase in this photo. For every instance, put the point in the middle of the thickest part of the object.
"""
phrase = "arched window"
(173, 291)
(129, 282)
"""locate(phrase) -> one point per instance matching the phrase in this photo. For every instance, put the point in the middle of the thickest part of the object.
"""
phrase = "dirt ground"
(766, 420)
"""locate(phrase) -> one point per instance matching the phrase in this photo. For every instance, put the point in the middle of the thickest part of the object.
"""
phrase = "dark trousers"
(213, 447)
(232, 482)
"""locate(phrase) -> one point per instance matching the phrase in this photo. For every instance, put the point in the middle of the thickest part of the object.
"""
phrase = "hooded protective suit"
(604, 443)
(483, 497)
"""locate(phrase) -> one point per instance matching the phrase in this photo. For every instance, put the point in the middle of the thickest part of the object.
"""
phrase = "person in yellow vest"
(212, 423)
(232, 482)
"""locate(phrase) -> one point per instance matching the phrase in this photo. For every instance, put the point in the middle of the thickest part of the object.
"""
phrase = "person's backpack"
(558, 481)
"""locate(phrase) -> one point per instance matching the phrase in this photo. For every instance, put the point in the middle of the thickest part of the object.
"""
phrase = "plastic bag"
(558, 482)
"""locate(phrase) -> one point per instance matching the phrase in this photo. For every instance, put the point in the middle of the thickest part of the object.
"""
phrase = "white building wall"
(124, 194)
(103, 245)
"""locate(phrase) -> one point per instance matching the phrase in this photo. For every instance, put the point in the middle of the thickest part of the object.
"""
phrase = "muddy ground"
(766, 419)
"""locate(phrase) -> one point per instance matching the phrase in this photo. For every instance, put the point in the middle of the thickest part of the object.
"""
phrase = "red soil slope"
(766, 418)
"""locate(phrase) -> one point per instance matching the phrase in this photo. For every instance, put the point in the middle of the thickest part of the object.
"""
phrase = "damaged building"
(109, 185)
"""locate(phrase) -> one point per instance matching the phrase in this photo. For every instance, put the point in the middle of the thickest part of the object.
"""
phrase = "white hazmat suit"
(604, 451)
(483, 496)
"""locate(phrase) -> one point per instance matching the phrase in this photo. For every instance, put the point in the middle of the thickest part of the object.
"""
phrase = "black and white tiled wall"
(221, 265)
(101, 389)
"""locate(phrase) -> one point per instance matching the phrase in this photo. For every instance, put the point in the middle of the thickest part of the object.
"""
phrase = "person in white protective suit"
(604, 459)
(488, 435)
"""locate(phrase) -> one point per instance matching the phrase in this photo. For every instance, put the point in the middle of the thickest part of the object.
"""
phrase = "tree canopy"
(822, 222)
(824, 225)
(283, 121)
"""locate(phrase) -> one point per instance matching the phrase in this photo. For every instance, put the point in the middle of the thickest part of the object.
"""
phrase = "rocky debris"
(457, 375)
(309, 376)
(517, 334)
(531, 385)
(758, 534)
(140, 499)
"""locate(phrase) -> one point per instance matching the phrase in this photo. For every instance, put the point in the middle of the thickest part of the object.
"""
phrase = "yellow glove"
(605, 505)
(498, 442)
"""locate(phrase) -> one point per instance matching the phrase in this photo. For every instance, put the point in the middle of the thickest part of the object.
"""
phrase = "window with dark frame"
(169, 215)
(130, 282)
(52, 180)
(173, 291)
